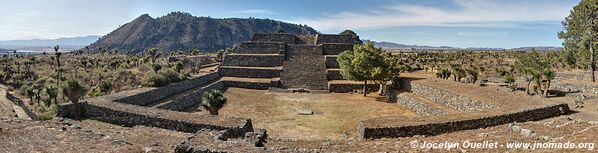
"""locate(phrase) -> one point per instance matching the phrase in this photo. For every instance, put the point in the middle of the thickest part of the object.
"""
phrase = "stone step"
(304, 68)
(422, 106)
(334, 74)
(331, 61)
(253, 60)
(250, 72)
(260, 48)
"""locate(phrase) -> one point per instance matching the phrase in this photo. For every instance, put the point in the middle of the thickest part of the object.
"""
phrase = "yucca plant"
(213, 101)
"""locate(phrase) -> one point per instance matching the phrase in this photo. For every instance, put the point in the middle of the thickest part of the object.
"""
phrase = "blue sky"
(459, 23)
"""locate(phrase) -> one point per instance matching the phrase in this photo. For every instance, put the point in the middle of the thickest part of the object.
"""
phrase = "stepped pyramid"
(287, 61)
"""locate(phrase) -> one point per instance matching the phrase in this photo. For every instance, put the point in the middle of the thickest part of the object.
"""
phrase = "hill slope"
(182, 31)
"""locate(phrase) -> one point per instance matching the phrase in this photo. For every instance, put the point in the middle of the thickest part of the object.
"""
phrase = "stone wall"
(566, 87)
(384, 128)
(451, 100)
(581, 76)
(335, 49)
(349, 87)
(161, 93)
(275, 37)
(131, 115)
(250, 85)
(253, 60)
(191, 100)
(331, 62)
(416, 106)
(260, 48)
(246, 72)
(328, 38)
(15, 100)
(334, 74)
(304, 68)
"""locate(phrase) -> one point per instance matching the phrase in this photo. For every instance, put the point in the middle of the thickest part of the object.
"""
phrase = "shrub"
(155, 80)
(171, 75)
(213, 101)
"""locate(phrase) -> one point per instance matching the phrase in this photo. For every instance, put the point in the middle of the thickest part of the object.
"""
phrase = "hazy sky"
(459, 23)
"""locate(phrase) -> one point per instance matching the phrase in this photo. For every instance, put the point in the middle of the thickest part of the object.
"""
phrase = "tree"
(52, 92)
(353, 35)
(213, 101)
(74, 90)
(153, 53)
(511, 82)
(580, 31)
(531, 66)
(56, 48)
(178, 66)
(547, 75)
(364, 63)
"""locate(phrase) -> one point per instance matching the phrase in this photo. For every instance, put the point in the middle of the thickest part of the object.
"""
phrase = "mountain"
(182, 31)
(391, 45)
(538, 48)
(37, 43)
(395, 46)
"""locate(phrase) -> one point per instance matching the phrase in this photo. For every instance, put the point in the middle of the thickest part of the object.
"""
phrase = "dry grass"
(334, 114)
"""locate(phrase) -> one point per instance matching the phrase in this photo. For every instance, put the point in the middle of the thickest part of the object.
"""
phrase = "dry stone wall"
(15, 100)
(260, 48)
(191, 100)
(131, 115)
(418, 107)
(245, 72)
(251, 85)
(335, 49)
(282, 37)
(161, 93)
(253, 60)
(328, 38)
(451, 100)
(370, 129)
(349, 87)
(331, 62)
(589, 88)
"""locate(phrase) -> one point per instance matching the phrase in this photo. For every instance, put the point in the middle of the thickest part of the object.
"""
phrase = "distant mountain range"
(391, 45)
(182, 31)
(36, 43)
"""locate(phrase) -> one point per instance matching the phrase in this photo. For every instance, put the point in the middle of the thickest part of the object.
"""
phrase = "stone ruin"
(287, 61)
(290, 63)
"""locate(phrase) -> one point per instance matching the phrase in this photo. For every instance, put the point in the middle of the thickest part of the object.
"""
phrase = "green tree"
(153, 54)
(547, 75)
(178, 66)
(579, 35)
(364, 63)
(353, 35)
(213, 101)
(56, 48)
(52, 92)
(73, 90)
(531, 66)
(511, 82)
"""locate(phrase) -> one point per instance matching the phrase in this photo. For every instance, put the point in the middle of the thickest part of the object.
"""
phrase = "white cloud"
(253, 11)
(468, 13)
